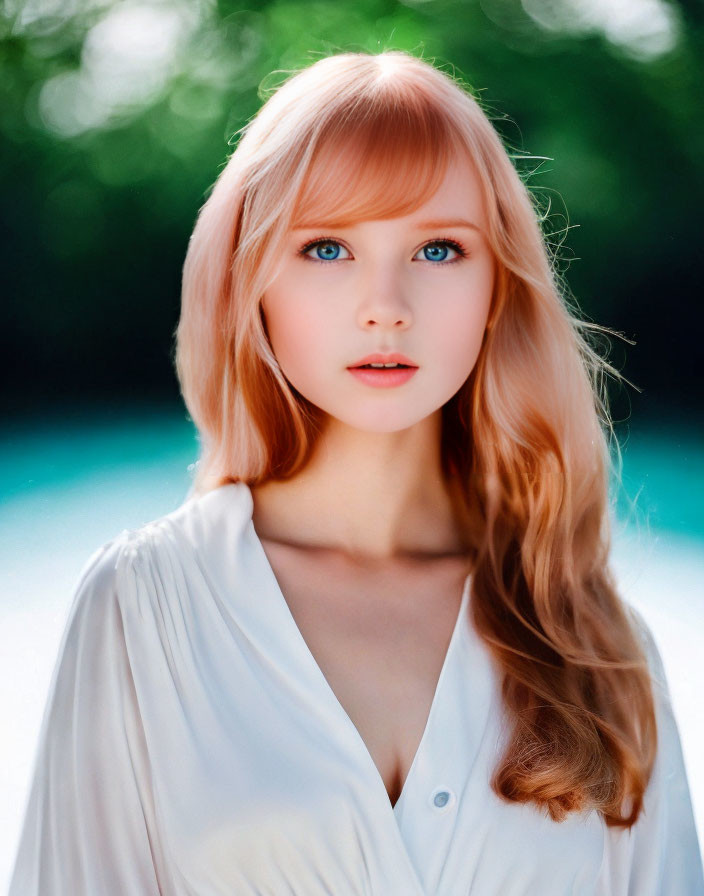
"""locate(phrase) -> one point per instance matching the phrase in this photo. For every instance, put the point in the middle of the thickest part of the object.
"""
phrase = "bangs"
(376, 160)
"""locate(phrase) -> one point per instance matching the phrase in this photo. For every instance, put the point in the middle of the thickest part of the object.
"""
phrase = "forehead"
(458, 196)
(456, 203)
(360, 175)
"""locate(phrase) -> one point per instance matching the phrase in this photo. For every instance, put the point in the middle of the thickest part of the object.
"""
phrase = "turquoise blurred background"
(115, 120)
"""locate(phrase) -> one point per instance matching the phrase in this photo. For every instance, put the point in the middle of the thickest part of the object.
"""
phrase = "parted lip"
(393, 358)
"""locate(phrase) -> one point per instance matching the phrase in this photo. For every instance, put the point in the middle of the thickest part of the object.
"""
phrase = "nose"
(384, 304)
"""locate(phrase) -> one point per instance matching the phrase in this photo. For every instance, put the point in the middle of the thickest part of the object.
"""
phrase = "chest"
(380, 638)
(260, 786)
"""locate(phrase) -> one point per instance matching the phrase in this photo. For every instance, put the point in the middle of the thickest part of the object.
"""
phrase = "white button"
(441, 798)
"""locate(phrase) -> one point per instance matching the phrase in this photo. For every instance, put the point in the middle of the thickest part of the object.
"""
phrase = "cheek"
(300, 336)
(455, 334)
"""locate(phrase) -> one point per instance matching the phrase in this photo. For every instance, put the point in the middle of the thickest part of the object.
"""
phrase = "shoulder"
(147, 564)
(651, 650)
(662, 850)
(668, 737)
(669, 761)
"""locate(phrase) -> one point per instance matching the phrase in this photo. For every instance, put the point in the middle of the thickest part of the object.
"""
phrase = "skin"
(379, 455)
(366, 542)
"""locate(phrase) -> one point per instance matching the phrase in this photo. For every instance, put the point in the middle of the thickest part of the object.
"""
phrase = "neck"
(371, 495)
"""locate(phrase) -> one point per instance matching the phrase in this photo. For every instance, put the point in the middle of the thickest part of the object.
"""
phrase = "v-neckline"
(333, 699)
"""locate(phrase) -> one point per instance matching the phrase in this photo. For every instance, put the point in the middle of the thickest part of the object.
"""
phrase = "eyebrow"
(449, 222)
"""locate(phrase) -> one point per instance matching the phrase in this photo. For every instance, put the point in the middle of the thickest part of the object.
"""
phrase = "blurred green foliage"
(116, 118)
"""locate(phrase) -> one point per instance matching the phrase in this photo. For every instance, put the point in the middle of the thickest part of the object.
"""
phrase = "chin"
(383, 421)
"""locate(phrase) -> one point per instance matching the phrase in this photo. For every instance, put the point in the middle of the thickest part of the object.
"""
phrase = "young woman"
(379, 649)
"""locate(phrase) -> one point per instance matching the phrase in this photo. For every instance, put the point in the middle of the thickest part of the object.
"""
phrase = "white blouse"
(191, 746)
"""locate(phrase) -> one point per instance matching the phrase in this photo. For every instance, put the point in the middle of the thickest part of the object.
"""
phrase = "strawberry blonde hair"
(526, 434)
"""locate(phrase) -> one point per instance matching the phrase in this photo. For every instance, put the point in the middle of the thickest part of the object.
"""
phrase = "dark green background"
(99, 196)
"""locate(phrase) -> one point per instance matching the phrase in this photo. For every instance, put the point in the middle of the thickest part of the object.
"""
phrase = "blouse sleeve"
(665, 855)
(89, 826)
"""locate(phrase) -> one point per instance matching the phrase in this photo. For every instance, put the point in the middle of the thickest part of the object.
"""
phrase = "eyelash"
(453, 244)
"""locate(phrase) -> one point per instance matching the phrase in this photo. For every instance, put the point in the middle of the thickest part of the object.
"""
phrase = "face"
(418, 285)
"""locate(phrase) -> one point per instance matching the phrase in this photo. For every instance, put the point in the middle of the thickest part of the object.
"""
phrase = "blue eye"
(325, 250)
(437, 250)
(442, 250)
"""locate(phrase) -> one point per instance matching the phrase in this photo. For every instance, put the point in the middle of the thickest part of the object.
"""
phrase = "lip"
(383, 379)
(393, 358)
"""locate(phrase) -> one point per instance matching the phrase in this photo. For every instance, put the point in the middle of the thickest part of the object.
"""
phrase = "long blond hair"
(526, 434)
